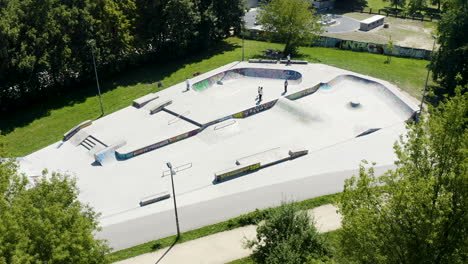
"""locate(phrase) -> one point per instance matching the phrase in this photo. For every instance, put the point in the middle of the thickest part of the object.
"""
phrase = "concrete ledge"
(155, 198)
(232, 172)
(75, 129)
(262, 61)
(140, 102)
(160, 106)
(108, 153)
(293, 62)
(295, 153)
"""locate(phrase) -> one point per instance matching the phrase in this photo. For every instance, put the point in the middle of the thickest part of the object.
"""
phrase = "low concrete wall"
(75, 129)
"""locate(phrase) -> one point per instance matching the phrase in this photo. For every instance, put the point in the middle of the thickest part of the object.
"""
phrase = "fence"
(401, 14)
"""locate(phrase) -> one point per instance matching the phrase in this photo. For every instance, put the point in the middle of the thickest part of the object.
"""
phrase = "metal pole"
(97, 79)
(243, 30)
(427, 77)
(174, 198)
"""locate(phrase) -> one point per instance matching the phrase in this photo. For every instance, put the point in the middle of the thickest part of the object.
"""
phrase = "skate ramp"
(364, 88)
(298, 111)
(293, 77)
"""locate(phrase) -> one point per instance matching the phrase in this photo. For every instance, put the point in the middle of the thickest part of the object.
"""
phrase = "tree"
(417, 213)
(390, 47)
(450, 62)
(45, 223)
(351, 4)
(287, 236)
(396, 3)
(290, 22)
(415, 6)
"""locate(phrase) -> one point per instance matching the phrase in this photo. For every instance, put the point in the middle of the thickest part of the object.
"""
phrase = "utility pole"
(169, 165)
(427, 76)
(91, 43)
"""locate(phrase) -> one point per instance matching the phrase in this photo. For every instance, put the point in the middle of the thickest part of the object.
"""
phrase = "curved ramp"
(293, 77)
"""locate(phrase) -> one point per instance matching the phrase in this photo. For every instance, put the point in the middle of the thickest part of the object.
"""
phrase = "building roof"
(372, 19)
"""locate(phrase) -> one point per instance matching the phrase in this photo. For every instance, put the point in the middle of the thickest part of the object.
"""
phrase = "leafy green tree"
(417, 213)
(287, 236)
(390, 47)
(45, 223)
(396, 3)
(415, 6)
(291, 22)
(350, 4)
(450, 62)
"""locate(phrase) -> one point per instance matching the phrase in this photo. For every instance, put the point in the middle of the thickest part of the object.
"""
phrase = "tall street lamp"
(169, 165)
(243, 32)
(427, 77)
(91, 43)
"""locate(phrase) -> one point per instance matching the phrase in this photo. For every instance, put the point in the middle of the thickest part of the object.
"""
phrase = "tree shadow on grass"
(146, 74)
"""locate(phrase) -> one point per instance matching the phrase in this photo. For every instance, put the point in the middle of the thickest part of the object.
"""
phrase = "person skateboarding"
(285, 86)
(260, 93)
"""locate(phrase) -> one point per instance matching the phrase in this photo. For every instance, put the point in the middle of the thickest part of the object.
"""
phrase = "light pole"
(91, 43)
(427, 76)
(243, 30)
(169, 165)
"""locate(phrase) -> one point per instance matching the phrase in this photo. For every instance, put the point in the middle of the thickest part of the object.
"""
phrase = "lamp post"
(91, 43)
(243, 30)
(169, 165)
(427, 76)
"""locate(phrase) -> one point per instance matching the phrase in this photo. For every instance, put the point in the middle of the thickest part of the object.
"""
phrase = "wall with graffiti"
(397, 51)
(294, 77)
(304, 92)
(329, 42)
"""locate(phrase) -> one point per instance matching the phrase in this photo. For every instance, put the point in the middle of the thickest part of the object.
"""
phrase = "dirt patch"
(404, 32)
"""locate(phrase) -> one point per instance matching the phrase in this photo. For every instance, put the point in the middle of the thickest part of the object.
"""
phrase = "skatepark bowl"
(231, 152)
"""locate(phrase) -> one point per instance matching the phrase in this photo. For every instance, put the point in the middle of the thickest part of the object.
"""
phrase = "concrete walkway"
(226, 246)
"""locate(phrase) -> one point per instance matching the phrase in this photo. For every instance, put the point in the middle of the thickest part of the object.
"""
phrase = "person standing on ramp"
(285, 86)
(187, 82)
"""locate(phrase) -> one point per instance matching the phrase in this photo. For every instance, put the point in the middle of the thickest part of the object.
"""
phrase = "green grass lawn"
(41, 125)
(377, 4)
(243, 220)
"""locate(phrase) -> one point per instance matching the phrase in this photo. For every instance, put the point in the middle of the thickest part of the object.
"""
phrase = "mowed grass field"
(41, 125)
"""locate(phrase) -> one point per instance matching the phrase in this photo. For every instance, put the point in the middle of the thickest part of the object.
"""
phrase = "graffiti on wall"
(304, 92)
(372, 48)
(292, 76)
(255, 110)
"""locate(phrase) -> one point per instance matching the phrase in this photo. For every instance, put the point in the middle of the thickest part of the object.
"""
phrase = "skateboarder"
(187, 82)
(260, 93)
(285, 86)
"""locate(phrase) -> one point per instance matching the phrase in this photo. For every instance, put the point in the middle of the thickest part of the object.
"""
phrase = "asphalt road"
(343, 24)
(162, 224)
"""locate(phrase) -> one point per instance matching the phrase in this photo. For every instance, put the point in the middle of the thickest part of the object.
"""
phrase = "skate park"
(293, 145)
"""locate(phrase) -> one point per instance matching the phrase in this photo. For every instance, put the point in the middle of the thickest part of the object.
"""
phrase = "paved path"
(226, 246)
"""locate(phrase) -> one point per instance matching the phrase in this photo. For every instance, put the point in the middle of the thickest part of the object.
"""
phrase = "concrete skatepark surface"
(323, 122)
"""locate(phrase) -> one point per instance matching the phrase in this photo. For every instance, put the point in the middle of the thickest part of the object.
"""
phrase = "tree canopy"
(292, 22)
(287, 236)
(417, 213)
(44, 44)
(45, 223)
(450, 62)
